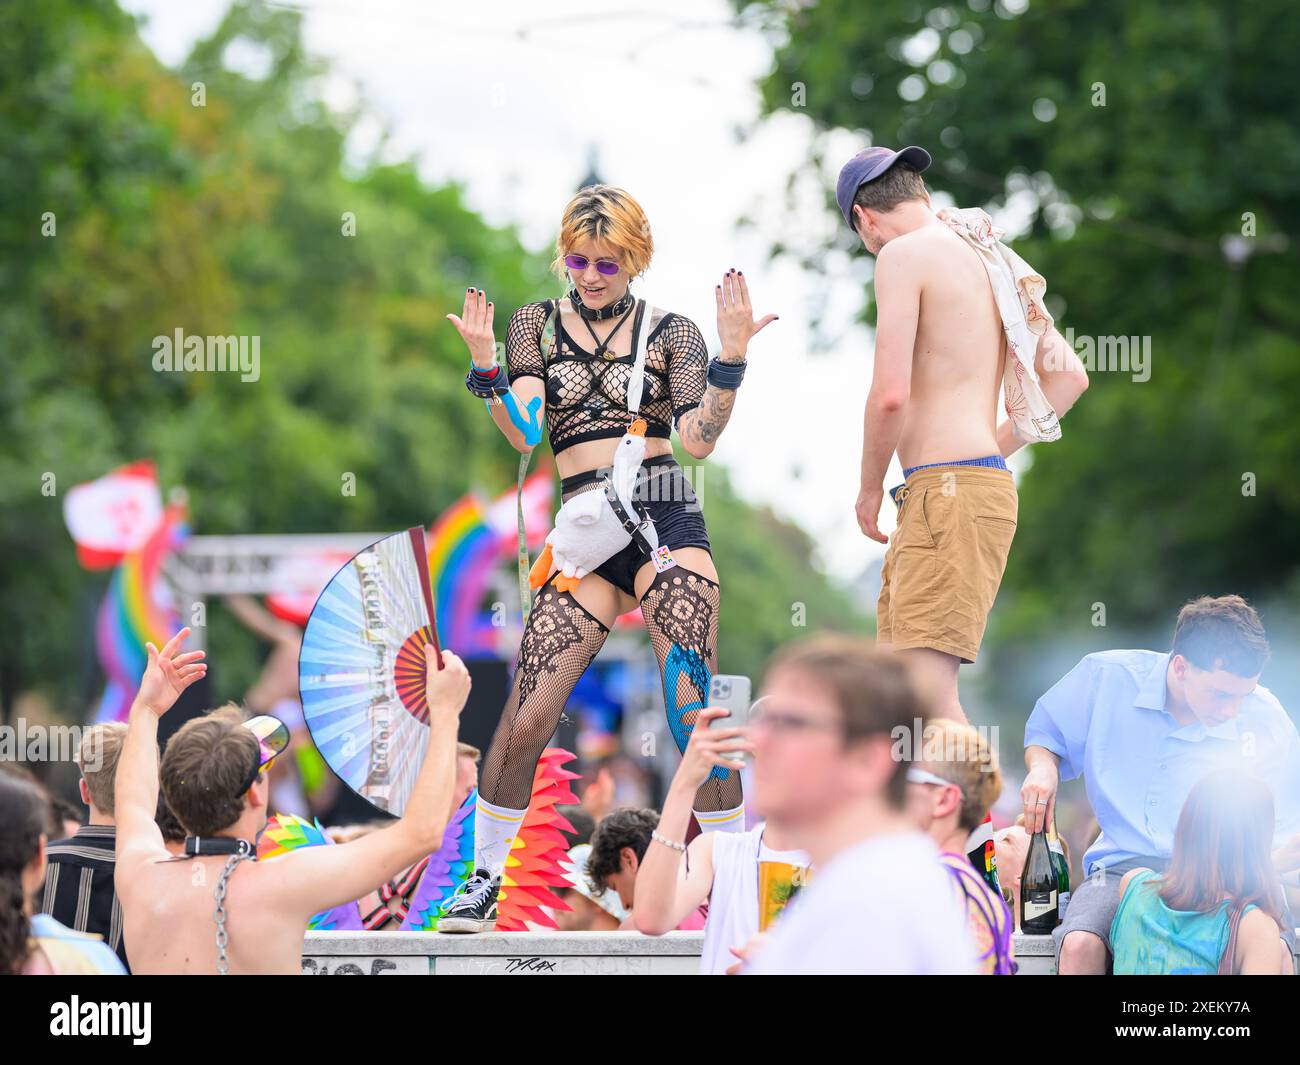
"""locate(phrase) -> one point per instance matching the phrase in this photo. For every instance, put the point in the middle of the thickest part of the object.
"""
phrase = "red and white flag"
(115, 514)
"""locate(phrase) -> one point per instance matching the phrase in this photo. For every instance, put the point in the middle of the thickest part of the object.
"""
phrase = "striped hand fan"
(361, 671)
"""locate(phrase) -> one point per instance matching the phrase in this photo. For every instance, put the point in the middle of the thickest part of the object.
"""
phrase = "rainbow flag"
(467, 543)
(132, 615)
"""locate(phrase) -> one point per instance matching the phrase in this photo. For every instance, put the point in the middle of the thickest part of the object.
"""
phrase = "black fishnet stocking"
(681, 616)
(559, 642)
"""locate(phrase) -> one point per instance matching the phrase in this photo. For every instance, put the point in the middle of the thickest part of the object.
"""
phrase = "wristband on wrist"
(725, 374)
(487, 383)
(673, 845)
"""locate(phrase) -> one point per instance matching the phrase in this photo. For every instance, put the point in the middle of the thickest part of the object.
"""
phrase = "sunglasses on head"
(580, 262)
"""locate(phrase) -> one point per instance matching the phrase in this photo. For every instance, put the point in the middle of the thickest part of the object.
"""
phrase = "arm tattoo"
(709, 419)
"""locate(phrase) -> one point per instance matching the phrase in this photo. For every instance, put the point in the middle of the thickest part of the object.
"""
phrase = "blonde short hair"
(606, 213)
(97, 755)
(962, 754)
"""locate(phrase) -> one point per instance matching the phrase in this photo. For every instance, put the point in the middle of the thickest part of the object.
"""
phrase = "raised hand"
(475, 327)
(736, 325)
(447, 689)
(169, 673)
(711, 746)
(598, 796)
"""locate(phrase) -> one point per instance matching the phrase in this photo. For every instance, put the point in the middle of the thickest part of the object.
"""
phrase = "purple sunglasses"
(580, 262)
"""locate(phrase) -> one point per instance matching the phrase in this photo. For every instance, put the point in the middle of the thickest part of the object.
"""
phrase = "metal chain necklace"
(223, 961)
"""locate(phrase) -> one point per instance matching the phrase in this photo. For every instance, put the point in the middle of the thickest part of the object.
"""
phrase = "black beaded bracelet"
(726, 374)
(484, 386)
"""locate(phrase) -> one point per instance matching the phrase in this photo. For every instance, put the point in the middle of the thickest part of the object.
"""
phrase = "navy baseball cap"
(870, 164)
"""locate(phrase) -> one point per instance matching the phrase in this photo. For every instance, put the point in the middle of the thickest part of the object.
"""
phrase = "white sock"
(721, 820)
(494, 831)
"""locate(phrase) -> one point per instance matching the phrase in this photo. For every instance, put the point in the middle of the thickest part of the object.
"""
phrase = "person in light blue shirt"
(1141, 728)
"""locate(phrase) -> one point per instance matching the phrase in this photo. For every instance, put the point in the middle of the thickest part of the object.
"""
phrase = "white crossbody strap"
(636, 380)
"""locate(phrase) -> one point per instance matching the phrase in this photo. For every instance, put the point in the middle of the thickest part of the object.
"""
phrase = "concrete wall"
(546, 954)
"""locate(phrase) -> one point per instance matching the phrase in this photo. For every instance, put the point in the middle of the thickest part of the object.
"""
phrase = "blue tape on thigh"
(679, 660)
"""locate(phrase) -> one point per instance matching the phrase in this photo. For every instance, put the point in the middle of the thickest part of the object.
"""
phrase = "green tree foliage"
(1157, 145)
(227, 218)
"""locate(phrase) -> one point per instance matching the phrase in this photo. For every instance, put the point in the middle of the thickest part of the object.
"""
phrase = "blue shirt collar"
(1151, 694)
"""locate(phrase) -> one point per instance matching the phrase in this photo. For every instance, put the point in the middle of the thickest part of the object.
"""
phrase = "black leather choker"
(217, 845)
(600, 314)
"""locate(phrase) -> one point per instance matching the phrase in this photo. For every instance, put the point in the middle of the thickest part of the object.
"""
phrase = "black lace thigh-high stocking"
(559, 642)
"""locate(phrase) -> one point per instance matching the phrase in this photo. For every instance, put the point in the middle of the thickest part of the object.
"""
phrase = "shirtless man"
(216, 784)
(940, 349)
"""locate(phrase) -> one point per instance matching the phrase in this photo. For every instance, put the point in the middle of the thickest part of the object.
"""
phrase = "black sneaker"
(473, 908)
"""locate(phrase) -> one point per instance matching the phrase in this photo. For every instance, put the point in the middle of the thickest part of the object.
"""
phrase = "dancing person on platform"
(827, 775)
(959, 317)
(1141, 728)
(1220, 881)
(944, 343)
(746, 878)
(573, 362)
(215, 779)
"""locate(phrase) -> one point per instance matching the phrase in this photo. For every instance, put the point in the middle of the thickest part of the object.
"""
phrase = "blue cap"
(869, 165)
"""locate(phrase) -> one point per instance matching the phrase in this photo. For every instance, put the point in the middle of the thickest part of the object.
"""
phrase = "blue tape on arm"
(530, 426)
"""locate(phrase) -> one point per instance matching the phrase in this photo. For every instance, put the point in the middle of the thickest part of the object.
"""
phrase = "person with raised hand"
(724, 869)
(213, 774)
(611, 376)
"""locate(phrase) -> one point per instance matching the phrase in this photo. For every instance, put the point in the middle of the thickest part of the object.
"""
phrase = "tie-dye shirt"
(1149, 938)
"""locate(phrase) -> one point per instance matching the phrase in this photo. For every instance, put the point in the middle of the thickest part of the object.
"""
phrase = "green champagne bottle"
(1040, 886)
(1062, 865)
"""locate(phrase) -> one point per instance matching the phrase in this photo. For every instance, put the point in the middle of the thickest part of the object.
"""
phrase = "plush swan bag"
(594, 526)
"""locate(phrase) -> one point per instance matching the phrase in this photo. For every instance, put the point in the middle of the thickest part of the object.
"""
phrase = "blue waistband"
(992, 462)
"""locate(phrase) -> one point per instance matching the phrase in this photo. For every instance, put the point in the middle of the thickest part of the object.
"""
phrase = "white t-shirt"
(885, 905)
(733, 901)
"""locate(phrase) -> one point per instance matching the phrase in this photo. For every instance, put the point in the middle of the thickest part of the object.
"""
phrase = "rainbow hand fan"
(361, 671)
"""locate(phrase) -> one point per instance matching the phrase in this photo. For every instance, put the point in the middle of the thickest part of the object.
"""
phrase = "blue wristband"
(485, 384)
(725, 374)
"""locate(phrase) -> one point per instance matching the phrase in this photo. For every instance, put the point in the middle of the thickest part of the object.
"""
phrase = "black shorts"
(668, 496)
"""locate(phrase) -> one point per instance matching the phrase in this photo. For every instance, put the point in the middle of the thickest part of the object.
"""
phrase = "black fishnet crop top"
(586, 397)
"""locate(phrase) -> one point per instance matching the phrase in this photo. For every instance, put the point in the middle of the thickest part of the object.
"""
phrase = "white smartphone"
(732, 691)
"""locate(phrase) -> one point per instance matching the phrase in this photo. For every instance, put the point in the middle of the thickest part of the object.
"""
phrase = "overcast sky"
(666, 98)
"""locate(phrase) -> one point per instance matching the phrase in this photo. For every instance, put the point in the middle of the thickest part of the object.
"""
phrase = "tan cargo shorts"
(946, 558)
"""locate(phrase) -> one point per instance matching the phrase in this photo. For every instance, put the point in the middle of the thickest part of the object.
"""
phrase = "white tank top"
(733, 902)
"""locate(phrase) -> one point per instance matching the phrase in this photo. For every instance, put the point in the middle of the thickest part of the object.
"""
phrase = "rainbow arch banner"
(467, 543)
